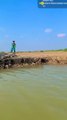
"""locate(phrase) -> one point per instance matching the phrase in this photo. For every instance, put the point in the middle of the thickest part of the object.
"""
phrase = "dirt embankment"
(9, 60)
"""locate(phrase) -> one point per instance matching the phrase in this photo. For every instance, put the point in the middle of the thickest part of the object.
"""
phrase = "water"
(34, 93)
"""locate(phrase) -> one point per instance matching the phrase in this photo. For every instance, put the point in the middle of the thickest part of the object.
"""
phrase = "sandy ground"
(43, 54)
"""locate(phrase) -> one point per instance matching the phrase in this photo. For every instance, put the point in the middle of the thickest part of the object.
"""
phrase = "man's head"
(13, 41)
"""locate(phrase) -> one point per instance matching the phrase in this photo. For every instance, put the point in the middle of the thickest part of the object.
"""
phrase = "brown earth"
(32, 58)
(58, 57)
(61, 54)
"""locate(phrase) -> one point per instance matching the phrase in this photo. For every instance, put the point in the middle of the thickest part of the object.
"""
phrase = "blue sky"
(31, 27)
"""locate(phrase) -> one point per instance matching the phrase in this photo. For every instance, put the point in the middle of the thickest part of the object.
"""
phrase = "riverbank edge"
(11, 61)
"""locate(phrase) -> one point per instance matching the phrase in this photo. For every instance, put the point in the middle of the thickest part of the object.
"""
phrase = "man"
(13, 49)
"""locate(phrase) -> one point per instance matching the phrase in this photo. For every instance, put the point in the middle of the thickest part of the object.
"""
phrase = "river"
(38, 93)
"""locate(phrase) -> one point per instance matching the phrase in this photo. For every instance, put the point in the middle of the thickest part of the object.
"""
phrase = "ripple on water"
(34, 93)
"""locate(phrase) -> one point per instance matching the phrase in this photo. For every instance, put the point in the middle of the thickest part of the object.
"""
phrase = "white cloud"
(48, 30)
(61, 35)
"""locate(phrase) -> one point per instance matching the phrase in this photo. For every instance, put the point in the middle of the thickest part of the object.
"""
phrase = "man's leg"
(12, 49)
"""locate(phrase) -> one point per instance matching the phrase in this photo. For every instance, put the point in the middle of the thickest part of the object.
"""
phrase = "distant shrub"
(41, 51)
(60, 50)
(65, 49)
(29, 51)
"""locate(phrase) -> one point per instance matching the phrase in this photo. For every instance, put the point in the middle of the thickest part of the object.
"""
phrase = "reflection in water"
(34, 93)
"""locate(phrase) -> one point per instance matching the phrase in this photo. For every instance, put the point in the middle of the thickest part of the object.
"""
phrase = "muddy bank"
(11, 60)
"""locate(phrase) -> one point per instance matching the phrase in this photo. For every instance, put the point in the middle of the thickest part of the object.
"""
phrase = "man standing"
(13, 49)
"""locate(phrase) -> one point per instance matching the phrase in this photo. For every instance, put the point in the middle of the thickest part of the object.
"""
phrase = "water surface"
(34, 93)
